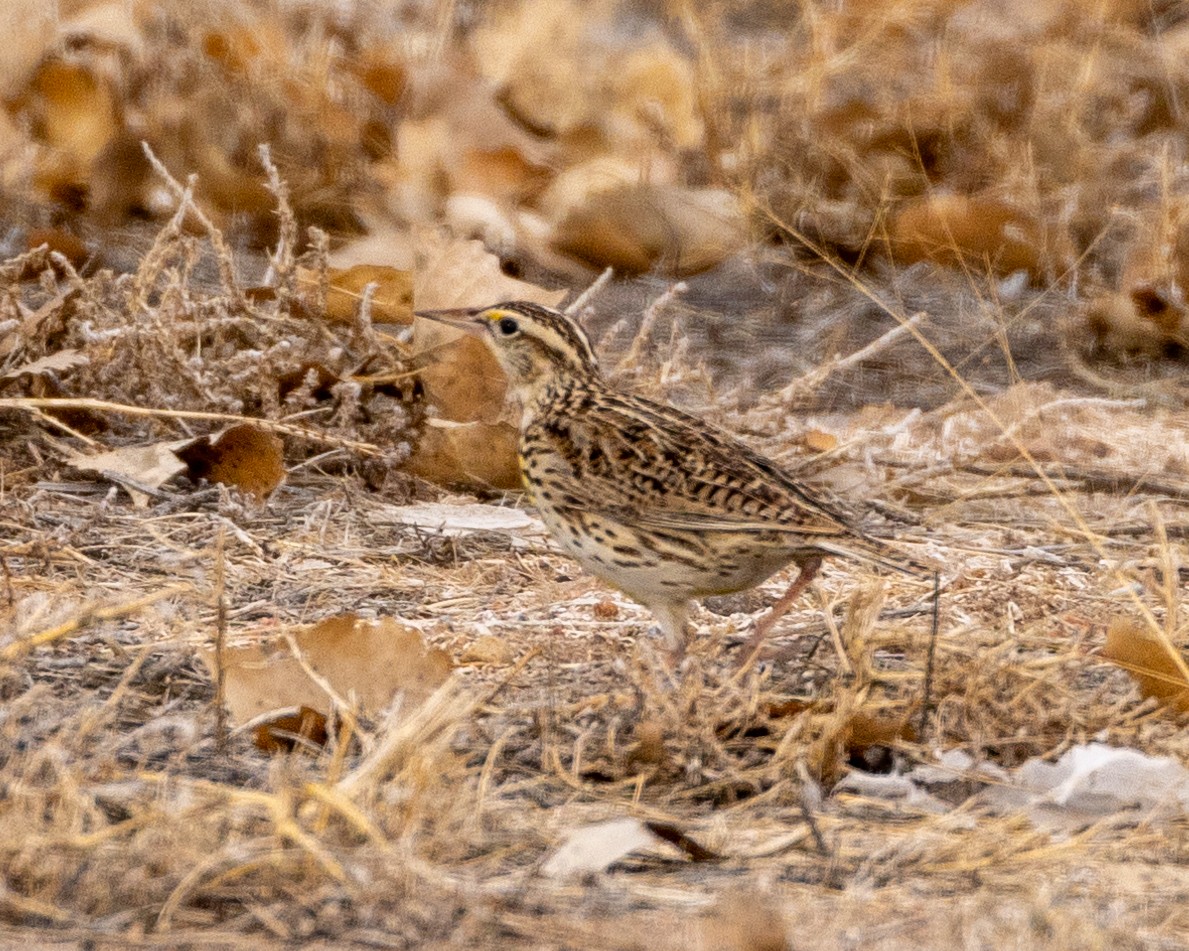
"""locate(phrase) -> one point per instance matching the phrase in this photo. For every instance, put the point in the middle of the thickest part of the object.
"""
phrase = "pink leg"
(809, 569)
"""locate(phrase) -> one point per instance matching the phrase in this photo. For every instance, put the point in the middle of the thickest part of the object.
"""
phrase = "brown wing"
(673, 470)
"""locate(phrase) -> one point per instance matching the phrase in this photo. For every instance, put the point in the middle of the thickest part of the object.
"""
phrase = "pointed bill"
(460, 318)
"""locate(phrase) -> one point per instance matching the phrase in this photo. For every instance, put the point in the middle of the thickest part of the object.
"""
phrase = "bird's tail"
(875, 551)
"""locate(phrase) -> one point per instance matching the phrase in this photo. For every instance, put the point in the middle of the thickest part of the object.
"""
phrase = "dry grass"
(1053, 491)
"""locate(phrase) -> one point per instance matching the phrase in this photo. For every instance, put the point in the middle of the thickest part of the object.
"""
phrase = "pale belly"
(669, 566)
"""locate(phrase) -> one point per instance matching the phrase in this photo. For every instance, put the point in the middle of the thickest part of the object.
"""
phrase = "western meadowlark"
(659, 504)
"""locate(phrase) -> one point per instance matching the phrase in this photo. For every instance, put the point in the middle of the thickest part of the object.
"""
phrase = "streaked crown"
(536, 345)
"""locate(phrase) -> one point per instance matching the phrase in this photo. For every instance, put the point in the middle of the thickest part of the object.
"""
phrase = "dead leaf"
(391, 295)
(787, 708)
(871, 738)
(380, 73)
(649, 748)
(289, 731)
(656, 90)
(365, 662)
(64, 242)
(594, 848)
(461, 378)
(383, 245)
(458, 519)
(244, 456)
(1150, 660)
(51, 363)
(846, 734)
(638, 228)
(978, 231)
(453, 273)
(150, 466)
(114, 25)
(506, 174)
(243, 47)
(73, 109)
(29, 31)
(467, 455)
(530, 51)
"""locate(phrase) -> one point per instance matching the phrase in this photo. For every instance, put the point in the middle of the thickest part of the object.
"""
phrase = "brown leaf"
(637, 228)
(977, 231)
(244, 456)
(461, 378)
(502, 173)
(74, 110)
(369, 662)
(871, 737)
(287, 732)
(844, 733)
(475, 455)
(239, 48)
(391, 296)
(649, 748)
(530, 51)
(64, 242)
(1152, 661)
(787, 708)
(30, 29)
(380, 73)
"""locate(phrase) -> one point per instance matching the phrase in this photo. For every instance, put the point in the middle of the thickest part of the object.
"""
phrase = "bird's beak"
(460, 318)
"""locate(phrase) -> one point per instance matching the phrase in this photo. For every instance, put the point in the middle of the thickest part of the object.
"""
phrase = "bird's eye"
(508, 326)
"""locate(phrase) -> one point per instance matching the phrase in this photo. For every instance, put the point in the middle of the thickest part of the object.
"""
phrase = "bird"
(656, 502)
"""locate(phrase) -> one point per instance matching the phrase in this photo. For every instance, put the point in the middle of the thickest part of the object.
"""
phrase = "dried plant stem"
(13, 651)
(184, 195)
(32, 404)
(1063, 499)
(803, 385)
(584, 299)
(220, 598)
(281, 263)
(404, 733)
(930, 660)
(342, 707)
(643, 335)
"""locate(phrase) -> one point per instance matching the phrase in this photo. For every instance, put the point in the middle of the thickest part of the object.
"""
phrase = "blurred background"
(1015, 168)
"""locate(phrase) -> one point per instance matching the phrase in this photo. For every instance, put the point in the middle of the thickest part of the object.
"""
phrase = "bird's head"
(535, 345)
